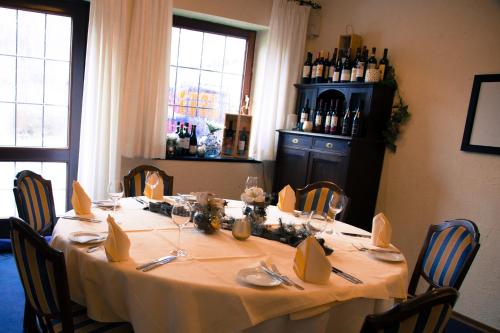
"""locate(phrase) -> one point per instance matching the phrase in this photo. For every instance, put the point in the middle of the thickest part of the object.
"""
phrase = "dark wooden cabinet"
(353, 163)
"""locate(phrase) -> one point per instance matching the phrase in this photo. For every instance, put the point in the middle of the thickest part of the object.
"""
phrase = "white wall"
(436, 47)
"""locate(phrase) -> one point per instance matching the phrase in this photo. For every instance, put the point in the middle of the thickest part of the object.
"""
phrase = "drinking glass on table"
(316, 222)
(251, 182)
(115, 192)
(336, 205)
(181, 214)
(152, 180)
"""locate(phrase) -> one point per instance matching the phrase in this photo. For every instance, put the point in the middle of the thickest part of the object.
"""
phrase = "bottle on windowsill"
(185, 146)
(180, 140)
(193, 141)
(229, 139)
(242, 142)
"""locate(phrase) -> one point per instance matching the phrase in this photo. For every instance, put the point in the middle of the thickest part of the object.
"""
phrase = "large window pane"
(172, 83)
(29, 125)
(174, 46)
(234, 58)
(7, 78)
(29, 80)
(8, 31)
(30, 34)
(7, 124)
(209, 89)
(186, 90)
(58, 43)
(55, 124)
(213, 52)
(190, 44)
(231, 93)
(56, 82)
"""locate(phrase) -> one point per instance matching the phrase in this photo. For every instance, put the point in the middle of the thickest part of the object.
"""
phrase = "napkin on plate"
(381, 231)
(157, 193)
(310, 263)
(80, 200)
(117, 244)
(286, 199)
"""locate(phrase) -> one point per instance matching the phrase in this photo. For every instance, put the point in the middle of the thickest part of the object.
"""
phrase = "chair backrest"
(135, 181)
(448, 251)
(42, 271)
(317, 196)
(428, 312)
(35, 201)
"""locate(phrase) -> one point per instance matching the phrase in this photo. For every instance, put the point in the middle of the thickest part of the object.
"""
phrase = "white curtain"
(275, 94)
(126, 87)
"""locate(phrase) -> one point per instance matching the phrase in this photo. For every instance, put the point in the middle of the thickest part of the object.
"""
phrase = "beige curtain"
(275, 94)
(126, 87)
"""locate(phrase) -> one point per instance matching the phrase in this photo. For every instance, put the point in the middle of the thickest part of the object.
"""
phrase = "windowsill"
(210, 159)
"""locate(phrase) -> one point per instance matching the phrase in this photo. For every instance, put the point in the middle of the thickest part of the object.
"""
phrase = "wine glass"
(316, 222)
(336, 204)
(251, 182)
(115, 192)
(181, 214)
(152, 180)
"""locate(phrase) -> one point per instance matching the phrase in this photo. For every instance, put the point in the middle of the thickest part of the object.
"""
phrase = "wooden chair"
(448, 251)
(35, 201)
(316, 196)
(134, 182)
(429, 312)
(42, 271)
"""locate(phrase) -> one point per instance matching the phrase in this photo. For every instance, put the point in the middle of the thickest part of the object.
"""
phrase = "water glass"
(181, 214)
(115, 192)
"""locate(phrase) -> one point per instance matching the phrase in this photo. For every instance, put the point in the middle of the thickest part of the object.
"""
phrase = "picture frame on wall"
(482, 126)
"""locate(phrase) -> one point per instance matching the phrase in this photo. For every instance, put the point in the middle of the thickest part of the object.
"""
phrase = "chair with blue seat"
(446, 256)
(135, 181)
(316, 197)
(35, 201)
(42, 271)
(428, 312)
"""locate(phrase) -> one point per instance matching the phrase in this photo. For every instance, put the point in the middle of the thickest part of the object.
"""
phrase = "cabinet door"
(329, 167)
(291, 168)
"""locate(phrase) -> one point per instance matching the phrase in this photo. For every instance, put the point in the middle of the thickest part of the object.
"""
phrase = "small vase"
(212, 145)
(242, 229)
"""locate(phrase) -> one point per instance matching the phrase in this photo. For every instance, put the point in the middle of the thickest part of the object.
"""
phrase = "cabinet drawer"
(297, 140)
(331, 145)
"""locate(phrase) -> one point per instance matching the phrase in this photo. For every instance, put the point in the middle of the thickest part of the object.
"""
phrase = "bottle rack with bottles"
(236, 136)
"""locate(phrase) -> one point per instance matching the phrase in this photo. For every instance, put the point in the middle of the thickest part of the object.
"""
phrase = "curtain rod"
(312, 4)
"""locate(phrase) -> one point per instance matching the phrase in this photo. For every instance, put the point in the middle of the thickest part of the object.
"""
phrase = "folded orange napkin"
(80, 200)
(381, 231)
(286, 199)
(157, 193)
(117, 244)
(310, 263)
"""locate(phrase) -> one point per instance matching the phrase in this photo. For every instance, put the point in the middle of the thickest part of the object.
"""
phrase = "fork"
(361, 247)
(286, 278)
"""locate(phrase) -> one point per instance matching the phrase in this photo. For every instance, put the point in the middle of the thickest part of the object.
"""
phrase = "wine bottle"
(185, 146)
(333, 63)
(318, 117)
(193, 141)
(304, 115)
(361, 66)
(313, 69)
(345, 75)
(319, 68)
(356, 123)
(383, 65)
(338, 68)
(335, 118)
(306, 70)
(355, 65)
(346, 123)
(242, 142)
(326, 67)
(229, 137)
(180, 141)
(372, 73)
(328, 118)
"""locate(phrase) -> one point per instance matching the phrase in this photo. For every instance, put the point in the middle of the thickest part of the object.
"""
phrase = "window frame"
(183, 22)
(78, 10)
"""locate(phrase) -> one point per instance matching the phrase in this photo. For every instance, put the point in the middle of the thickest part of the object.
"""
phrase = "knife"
(346, 276)
(275, 276)
(78, 218)
(159, 263)
(153, 262)
(355, 235)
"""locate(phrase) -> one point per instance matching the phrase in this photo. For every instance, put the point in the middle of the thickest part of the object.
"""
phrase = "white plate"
(84, 237)
(257, 277)
(387, 256)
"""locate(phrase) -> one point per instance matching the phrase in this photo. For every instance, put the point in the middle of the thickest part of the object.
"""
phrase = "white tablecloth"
(202, 294)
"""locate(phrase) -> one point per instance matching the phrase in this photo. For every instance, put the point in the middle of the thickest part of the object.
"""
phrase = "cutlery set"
(155, 263)
(360, 247)
(275, 274)
(79, 218)
(346, 276)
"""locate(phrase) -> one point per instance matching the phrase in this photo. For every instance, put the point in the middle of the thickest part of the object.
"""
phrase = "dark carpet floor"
(12, 301)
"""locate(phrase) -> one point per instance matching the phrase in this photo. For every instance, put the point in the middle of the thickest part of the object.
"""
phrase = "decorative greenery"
(399, 115)
(312, 4)
(213, 126)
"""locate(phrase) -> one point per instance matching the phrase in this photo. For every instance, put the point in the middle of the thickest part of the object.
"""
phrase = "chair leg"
(29, 321)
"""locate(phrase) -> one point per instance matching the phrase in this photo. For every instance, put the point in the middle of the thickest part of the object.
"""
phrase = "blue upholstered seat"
(42, 271)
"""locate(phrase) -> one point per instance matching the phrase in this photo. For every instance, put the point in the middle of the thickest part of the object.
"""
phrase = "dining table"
(203, 291)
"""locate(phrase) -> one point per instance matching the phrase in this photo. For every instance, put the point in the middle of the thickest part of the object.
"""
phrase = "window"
(42, 52)
(210, 72)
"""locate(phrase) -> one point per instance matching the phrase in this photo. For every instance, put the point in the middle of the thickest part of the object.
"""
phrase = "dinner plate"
(257, 277)
(387, 256)
(84, 237)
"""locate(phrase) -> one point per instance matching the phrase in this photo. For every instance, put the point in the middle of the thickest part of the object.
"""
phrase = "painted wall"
(436, 47)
